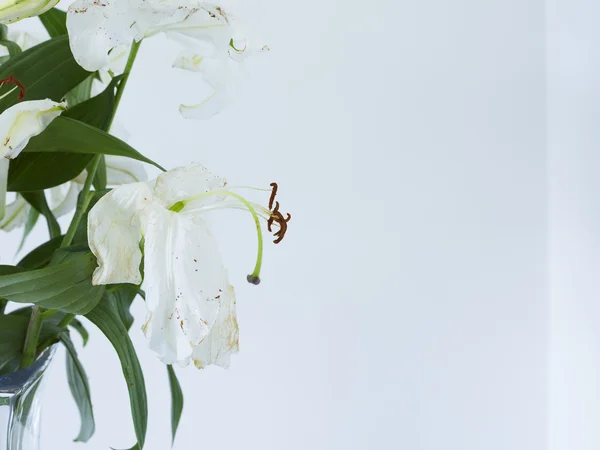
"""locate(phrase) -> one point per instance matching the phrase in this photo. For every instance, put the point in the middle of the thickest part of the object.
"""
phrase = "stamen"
(277, 217)
(12, 80)
(254, 277)
(273, 194)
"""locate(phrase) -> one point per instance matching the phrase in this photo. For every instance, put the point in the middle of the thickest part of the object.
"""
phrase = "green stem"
(31, 340)
(135, 46)
(66, 320)
(35, 322)
(82, 207)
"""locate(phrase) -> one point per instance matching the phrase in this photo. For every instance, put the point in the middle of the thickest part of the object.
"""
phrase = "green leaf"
(13, 328)
(176, 401)
(81, 92)
(47, 70)
(55, 22)
(73, 136)
(65, 286)
(12, 47)
(80, 389)
(100, 178)
(30, 170)
(37, 199)
(32, 218)
(40, 256)
(78, 326)
(106, 318)
(124, 296)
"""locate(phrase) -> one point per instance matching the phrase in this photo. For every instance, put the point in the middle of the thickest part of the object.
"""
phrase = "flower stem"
(31, 340)
(254, 277)
(135, 46)
(35, 322)
(82, 207)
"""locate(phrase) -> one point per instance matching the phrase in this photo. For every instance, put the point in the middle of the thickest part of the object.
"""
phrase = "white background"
(408, 307)
(574, 160)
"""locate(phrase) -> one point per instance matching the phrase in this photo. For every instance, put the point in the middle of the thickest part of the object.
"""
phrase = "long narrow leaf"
(32, 218)
(37, 199)
(176, 401)
(73, 136)
(80, 389)
(55, 22)
(106, 318)
(66, 286)
(47, 70)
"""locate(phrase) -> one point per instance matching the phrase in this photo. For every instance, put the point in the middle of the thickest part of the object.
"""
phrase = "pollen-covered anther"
(277, 217)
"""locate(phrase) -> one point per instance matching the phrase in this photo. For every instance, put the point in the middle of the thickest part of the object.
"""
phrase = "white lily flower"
(14, 10)
(95, 28)
(62, 199)
(18, 124)
(191, 305)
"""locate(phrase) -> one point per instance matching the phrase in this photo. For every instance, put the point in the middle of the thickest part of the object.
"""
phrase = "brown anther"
(278, 218)
(12, 80)
(273, 194)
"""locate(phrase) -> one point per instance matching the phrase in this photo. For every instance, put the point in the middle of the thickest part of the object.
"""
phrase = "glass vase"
(20, 405)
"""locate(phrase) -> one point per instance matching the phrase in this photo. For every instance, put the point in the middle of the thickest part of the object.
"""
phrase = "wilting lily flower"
(15, 10)
(205, 30)
(63, 199)
(18, 124)
(191, 305)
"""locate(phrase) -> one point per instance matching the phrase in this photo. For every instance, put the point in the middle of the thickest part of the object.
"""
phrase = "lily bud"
(15, 10)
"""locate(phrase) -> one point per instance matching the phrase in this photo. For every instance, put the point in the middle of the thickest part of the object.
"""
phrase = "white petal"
(205, 23)
(184, 183)
(209, 107)
(185, 281)
(22, 121)
(97, 26)
(63, 199)
(16, 214)
(223, 339)
(114, 233)
(121, 170)
(15, 10)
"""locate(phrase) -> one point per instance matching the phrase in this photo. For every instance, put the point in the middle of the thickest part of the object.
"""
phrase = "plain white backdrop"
(408, 306)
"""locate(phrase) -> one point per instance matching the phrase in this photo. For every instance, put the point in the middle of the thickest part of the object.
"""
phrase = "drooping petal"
(185, 183)
(97, 26)
(114, 233)
(24, 120)
(204, 25)
(216, 74)
(121, 170)
(184, 283)
(4, 164)
(14, 10)
(62, 199)
(16, 214)
(223, 339)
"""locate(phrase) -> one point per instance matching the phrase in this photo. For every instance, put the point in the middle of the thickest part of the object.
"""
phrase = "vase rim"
(15, 382)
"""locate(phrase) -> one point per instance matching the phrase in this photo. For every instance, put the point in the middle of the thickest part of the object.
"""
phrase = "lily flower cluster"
(138, 233)
(191, 305)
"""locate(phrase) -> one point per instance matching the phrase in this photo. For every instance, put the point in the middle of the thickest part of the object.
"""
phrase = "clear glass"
(20, 405)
